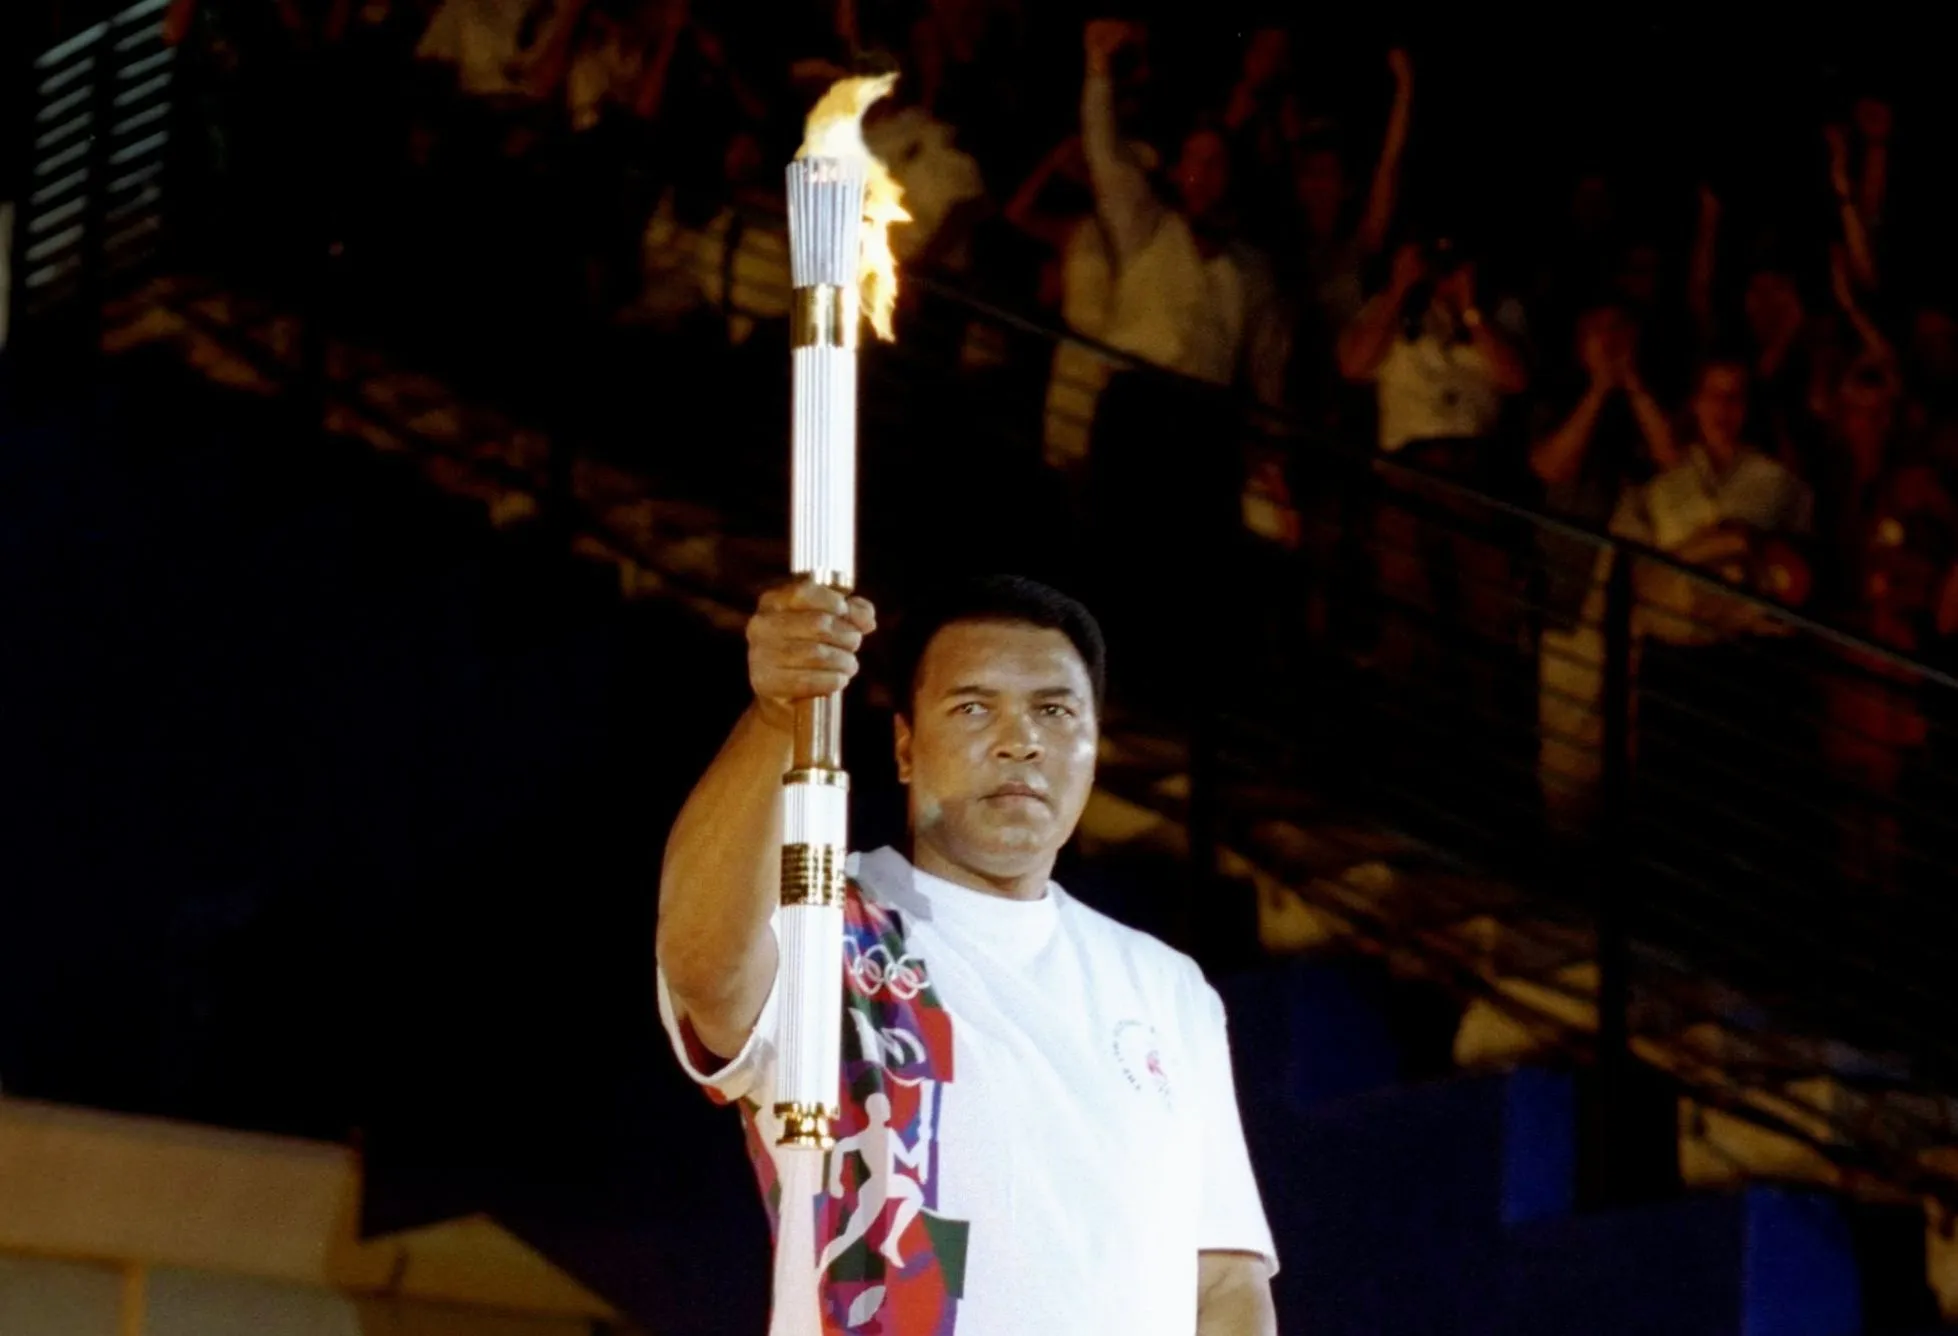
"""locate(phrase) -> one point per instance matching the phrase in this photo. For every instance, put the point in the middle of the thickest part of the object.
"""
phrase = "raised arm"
(1124, 198)
(1700, 274)
(1873, 119)
(1844, 286)
(721, 877)
(650, 91)
(1385, 190)
(1559, 456)
(1654, 423)
(1365, 341)
(1855, 235)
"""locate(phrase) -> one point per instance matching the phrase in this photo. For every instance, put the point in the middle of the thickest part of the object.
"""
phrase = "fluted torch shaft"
(826, 202)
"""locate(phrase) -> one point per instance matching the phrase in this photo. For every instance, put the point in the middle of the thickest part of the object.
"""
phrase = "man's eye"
(1057, 711)
(968, 707)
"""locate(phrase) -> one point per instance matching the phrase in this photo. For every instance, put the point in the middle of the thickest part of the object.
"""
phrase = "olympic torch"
(841, 200)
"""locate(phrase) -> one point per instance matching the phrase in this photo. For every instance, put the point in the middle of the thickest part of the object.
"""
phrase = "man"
(1166, 451)
(1724, 713)
(1590, 447)
(1037, 1105)
(1451, 597)
(1188, 297)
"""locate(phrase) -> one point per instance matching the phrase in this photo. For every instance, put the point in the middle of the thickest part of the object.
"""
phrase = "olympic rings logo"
(875, 971)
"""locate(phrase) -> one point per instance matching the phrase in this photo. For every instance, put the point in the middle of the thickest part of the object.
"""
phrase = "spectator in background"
(1443, 369)
(1720, 504)
(1263, 118)
(944, 190)
(1334, 249)
(1590, 447)
(945, 194)
(1713, 704)
(1192, 300)
(730, 268)
(1189, 297)
(1055, 207)
(966, 55)
(1441, 366)
(1888, 527)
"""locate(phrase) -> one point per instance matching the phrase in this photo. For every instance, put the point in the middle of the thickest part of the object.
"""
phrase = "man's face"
(1720, 406)
(1865, 415)
(1203, 174)
(999, 751)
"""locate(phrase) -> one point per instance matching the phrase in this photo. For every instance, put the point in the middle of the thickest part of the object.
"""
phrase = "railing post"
(1610, 885)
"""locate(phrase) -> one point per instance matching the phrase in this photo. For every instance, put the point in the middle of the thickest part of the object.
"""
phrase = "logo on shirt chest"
(1139, 1055)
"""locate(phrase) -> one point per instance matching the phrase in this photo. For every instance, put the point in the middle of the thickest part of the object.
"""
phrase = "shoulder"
(1154, 963)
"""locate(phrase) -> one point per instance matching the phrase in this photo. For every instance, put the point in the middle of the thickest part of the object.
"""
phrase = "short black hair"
(994, 598)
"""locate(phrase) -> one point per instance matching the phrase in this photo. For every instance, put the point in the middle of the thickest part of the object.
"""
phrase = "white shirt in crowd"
(1180, 309)
(1694, 495)
(1433, 387)
(1038, 1117)
(1206, 316)
(482, 39)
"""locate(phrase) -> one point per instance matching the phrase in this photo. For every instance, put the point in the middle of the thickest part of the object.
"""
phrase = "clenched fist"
(802, 645)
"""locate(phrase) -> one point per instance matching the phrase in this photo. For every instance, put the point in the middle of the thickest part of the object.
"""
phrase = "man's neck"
(1029, 885)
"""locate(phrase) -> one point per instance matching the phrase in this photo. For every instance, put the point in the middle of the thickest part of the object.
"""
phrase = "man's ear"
(901, 737)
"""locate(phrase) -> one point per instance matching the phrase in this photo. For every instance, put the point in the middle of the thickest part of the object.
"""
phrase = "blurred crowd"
(1755, 373)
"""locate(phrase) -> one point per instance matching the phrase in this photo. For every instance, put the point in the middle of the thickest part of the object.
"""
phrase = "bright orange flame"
(835, 130)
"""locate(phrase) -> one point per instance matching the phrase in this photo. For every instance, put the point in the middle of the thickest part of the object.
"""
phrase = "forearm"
(1386, 177)
(1558, 456)
(1875, 183)
(1506, 364)
(1856, 237)
(719, 884)
(1237, 1301)
(1655, 426)
(1365, 341)
(1123, 196)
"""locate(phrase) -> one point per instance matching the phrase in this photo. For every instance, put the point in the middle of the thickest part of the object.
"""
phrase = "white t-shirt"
(1039, 1130)
(1694, 495)
(1180, 309)
(1431, 388)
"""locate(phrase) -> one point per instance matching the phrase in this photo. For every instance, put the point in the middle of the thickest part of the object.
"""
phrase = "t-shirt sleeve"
(1232, 1213)
(749, 1073)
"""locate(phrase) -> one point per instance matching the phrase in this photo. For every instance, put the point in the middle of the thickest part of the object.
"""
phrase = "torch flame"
(835, 130)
